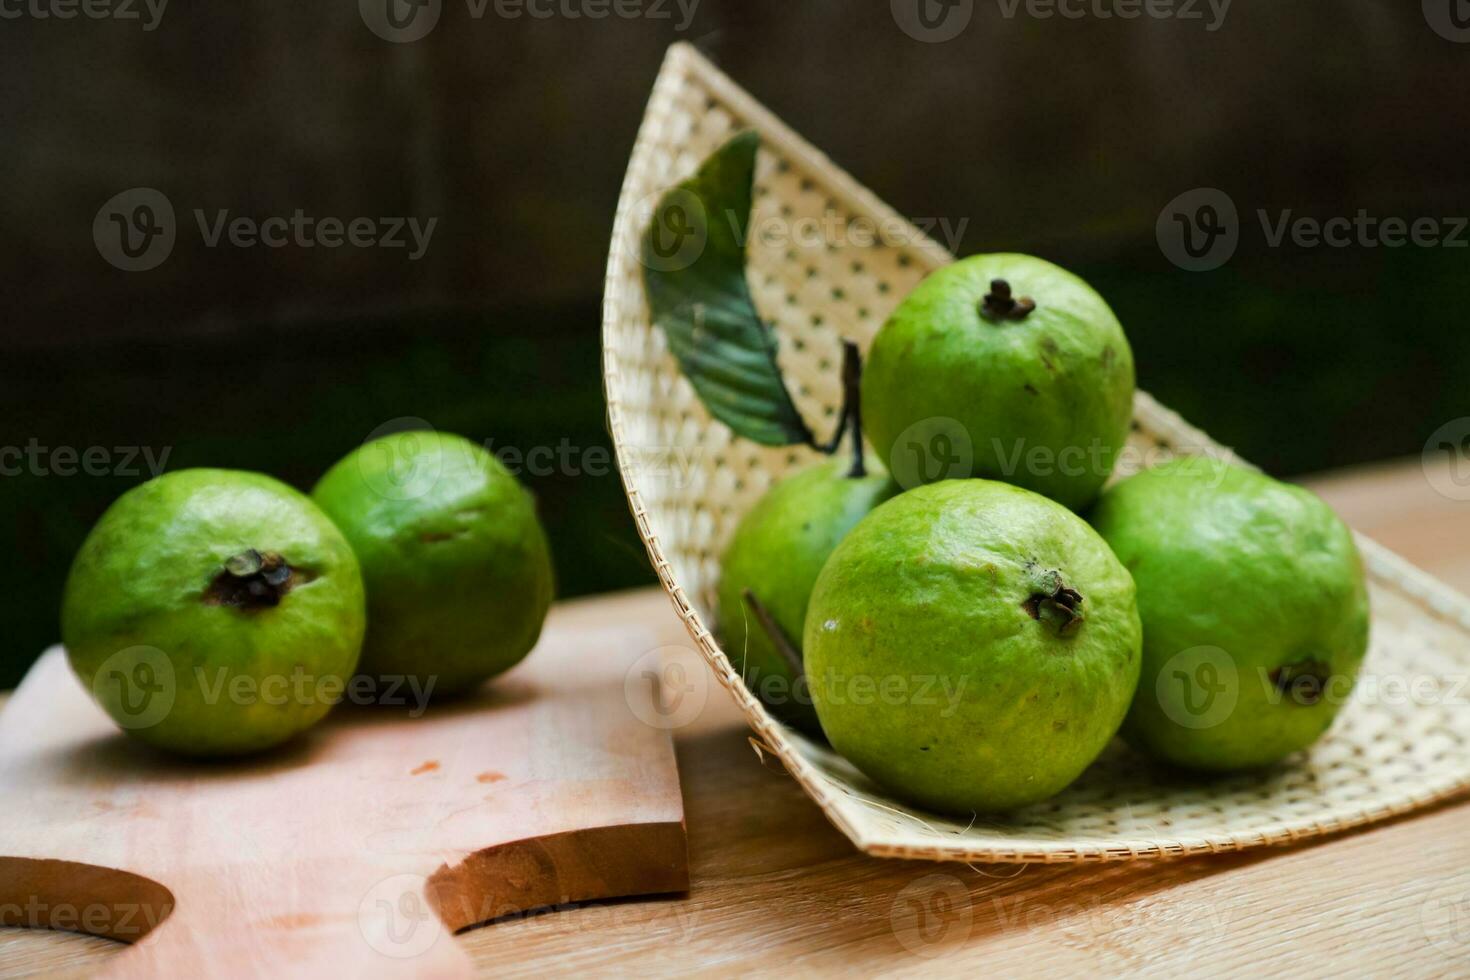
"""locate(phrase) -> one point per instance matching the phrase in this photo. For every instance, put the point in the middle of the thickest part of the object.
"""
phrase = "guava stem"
(852, 397)
(775, 633)
(999, 304)
(851, 419)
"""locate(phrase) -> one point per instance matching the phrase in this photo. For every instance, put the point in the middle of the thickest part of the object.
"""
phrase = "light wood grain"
(775, 889)
(359, 848)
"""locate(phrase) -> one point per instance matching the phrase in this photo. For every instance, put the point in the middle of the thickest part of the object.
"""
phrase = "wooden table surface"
(776, 889)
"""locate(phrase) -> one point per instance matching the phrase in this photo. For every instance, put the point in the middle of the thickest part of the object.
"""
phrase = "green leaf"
(694, 274)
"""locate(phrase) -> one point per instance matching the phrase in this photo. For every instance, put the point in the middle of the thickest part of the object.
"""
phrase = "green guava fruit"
(972, 646)
(457, 567)
(776, 553)
(1006, 367)
(1254, 606)
(214, 612)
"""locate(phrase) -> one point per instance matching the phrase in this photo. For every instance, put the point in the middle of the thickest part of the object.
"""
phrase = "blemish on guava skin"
(490, 776)
(431, 765)
(1302, 683)
(304, 920)
(433, 537)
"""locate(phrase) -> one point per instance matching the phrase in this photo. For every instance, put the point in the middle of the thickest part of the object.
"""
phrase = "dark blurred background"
(1064, 136)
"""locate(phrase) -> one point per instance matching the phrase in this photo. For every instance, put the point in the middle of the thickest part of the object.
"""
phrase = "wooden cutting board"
(360, 848)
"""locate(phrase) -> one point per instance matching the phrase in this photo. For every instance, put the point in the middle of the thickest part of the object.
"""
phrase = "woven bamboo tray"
(689, 481)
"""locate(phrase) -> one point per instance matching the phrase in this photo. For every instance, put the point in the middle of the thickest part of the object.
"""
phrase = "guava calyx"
(253, 580)
(1000, 304)
(1303, 682)
(1054, 603)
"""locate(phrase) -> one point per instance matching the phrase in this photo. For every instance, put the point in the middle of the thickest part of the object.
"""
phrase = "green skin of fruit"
(1263, 572)
(241, 677)
(777, 552)
(936, 665)
(1044, 402)
(457, 567)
